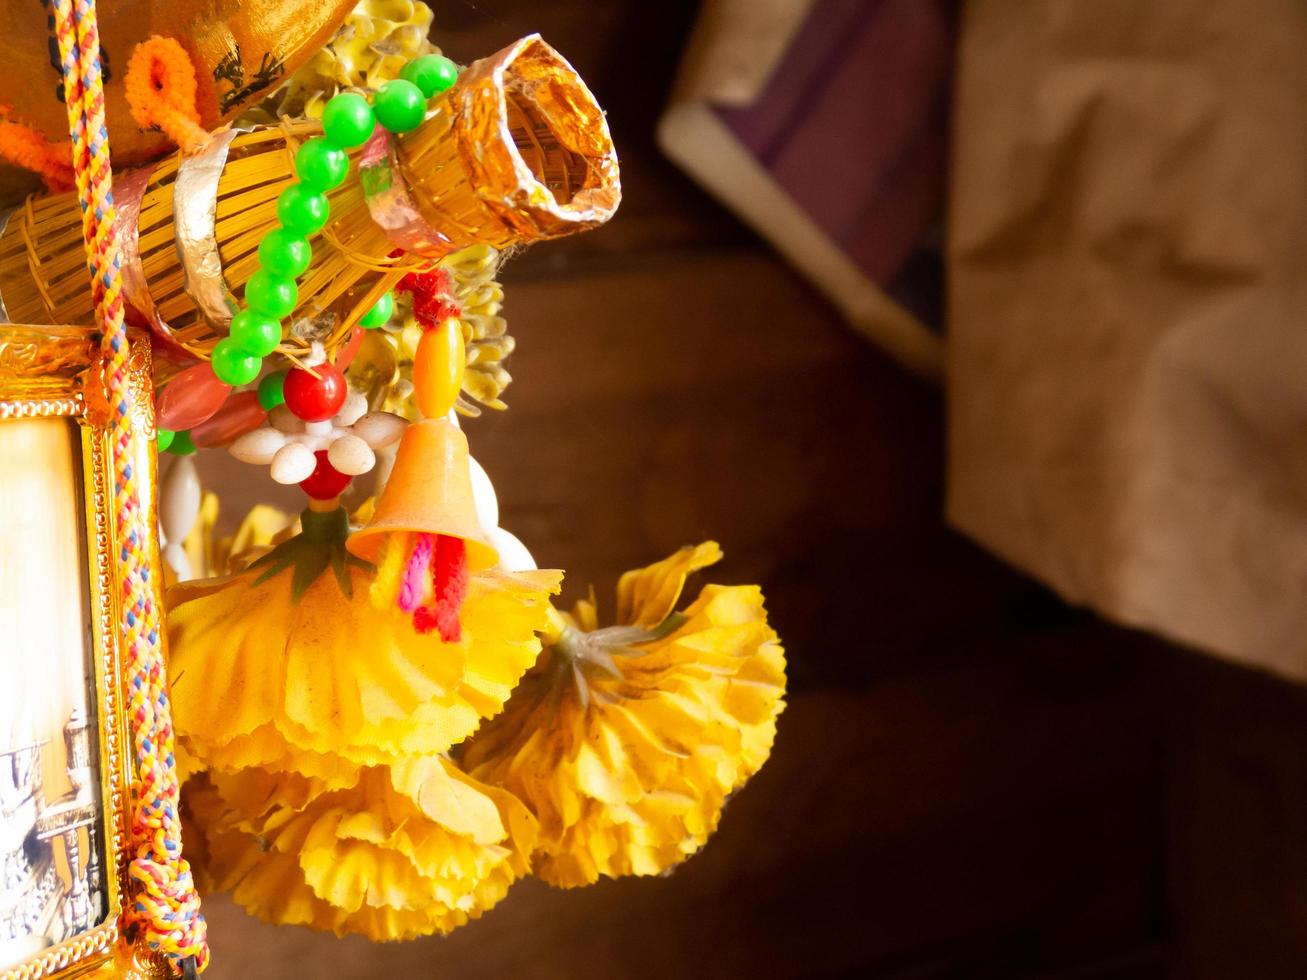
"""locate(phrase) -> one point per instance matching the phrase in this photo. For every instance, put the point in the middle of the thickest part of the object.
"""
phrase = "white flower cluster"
(286, 444)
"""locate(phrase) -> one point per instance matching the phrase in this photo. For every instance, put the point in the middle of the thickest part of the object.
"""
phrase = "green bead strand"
(321, 164)
(270, 391)
(285, 253)
(256, 333)
(302, 209)
(432, 73)
(232, 365)
(181, 443)
(400, 106)
(380, 314)
(271, 294)
(348, 120)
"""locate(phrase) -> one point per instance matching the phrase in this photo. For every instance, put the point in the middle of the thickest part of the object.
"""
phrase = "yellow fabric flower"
(211, 554)
(625, 742)
(410, 849)
(376, 40)
(383, 368)
(322, 682)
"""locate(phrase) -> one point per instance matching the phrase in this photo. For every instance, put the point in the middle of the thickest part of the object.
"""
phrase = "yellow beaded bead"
(438, 369)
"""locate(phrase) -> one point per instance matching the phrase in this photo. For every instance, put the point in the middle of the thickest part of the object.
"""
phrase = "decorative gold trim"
(43, 408)
(52, 372)
(72, 957)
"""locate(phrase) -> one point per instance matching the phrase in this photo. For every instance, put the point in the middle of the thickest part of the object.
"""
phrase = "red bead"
(325, 482)
(315, 399)
(241, 414)
(190, 398)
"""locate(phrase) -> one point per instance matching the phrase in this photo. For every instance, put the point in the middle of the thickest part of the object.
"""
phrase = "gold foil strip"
(128, 190)
(195, 205)
(391, 204)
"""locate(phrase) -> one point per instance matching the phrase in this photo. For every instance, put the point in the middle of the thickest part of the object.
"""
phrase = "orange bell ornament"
(429, 492)
(424, 535)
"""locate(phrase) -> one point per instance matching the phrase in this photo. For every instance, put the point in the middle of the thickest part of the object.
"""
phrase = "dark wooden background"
(972, 780)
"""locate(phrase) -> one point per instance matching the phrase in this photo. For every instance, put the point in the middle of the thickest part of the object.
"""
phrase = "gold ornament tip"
(517, 151)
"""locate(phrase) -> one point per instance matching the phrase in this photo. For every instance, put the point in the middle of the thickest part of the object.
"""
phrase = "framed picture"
(64, 746)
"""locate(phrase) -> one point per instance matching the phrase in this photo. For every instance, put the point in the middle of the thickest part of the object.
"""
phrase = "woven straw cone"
(515, 152)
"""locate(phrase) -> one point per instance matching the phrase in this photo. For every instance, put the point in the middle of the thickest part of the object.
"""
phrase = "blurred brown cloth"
(1128, 311)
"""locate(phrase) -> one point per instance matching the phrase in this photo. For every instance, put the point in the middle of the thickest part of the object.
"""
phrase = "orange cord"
(161, 91)
(162, 904)
(28, 148)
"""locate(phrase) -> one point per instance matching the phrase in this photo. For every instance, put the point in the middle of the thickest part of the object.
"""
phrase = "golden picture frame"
(65, 750)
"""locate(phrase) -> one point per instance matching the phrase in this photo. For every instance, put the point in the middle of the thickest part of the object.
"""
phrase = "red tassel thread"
(449, 584)
(433, 296)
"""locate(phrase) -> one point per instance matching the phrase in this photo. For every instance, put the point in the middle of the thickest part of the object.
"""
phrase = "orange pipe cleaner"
(28, 148)
(161, 91)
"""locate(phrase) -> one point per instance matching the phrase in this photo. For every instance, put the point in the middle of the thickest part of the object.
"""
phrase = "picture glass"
(52, 878)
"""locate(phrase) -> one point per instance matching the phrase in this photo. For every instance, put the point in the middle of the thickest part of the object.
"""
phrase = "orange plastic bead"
(438, 369)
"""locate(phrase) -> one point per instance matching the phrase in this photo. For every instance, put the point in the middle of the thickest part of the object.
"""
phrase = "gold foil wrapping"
(518, 150)
(515, 152)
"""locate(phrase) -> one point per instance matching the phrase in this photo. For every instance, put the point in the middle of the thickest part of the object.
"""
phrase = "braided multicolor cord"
(163, 908)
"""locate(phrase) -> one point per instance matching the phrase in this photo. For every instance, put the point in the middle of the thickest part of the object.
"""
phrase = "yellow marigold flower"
(294, 669)
(410, 849)
(625, 742)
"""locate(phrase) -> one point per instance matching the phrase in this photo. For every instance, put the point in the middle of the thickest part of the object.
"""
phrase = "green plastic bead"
(348, 120)
(271, 294)
(181, 444)
(270, 391)
(165, 437)
(321, 165)
(232, 365)
(285, 253)
(302, 209)
(379, 314)
(256, 333)
(432, 73)
(400, 106)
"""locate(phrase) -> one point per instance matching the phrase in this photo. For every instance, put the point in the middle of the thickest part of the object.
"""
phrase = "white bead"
(175, 556)
(322, 428)
(483, 495)
(513, 556)
(179, 500)
(283, 419)
(355, 407)
(258, 446)
(293, 464)
(379, 429)
(385, 463)
(351, 455)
